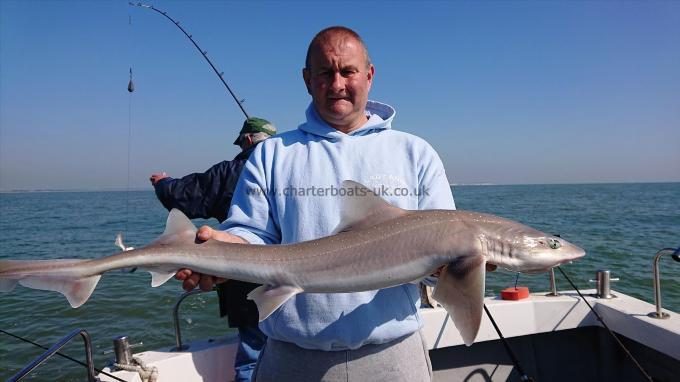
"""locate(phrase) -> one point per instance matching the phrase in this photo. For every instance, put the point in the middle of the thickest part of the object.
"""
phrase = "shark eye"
(554, 243)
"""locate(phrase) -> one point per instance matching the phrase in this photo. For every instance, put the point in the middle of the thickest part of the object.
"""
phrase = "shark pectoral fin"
(159, 277)
(268, 298)
(77, 291)
(460, 290)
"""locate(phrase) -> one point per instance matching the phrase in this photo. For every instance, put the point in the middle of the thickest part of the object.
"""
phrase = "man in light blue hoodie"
(285, 195)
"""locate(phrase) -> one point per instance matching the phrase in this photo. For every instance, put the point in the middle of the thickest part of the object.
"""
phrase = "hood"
(380, 118)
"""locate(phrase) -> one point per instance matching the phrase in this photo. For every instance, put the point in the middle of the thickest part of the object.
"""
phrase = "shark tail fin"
(76, 290)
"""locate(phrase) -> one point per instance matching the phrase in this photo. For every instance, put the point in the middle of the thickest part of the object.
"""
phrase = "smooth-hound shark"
(375, 246)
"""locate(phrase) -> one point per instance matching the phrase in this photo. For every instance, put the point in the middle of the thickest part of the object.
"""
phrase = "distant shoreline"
(27, 191)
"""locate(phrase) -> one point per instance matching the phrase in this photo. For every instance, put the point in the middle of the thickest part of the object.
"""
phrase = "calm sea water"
(621, 226)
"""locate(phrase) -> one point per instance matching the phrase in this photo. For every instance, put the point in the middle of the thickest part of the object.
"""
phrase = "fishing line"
(204, 53)
(61, 355)
(599, 318)
(131, 89)
(522, 374)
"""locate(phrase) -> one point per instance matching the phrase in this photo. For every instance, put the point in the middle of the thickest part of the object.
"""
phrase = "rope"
(599, 318)
(146, 373)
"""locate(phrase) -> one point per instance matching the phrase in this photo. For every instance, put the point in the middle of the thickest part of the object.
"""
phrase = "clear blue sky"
(506, 92)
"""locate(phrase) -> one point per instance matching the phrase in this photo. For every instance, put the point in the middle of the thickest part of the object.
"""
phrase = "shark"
(376, 245)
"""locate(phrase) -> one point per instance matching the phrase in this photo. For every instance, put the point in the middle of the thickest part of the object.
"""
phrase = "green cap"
(256, 125)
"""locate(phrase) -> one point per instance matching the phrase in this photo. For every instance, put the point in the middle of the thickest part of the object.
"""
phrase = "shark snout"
(575, 252)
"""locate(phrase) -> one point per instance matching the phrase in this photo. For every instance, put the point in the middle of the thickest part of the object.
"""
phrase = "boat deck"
(555, 339)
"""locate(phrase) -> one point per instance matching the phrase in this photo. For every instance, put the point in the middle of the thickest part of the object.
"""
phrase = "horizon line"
(473, 184)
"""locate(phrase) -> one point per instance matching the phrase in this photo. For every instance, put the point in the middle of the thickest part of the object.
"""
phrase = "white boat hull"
(564, 322)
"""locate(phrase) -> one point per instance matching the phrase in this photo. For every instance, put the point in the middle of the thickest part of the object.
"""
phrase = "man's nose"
(337, 82)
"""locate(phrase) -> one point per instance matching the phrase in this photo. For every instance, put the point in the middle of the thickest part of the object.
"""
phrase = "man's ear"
(246, 142)
(369, 75)
(307, 76)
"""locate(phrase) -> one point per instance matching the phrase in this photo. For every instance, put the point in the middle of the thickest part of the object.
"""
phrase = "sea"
(621, 227)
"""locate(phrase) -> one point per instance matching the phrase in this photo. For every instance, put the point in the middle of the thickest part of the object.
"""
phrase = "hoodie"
(287, 193)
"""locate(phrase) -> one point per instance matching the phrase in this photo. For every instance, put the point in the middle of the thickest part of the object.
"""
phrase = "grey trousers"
(405, 359)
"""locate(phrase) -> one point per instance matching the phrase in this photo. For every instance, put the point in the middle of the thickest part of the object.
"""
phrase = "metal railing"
(553, 285)
(675, 254)
(175, 318)
(54, 349)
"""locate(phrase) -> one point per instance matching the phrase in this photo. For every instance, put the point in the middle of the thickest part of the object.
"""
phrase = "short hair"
(257, 137)
(332, 31)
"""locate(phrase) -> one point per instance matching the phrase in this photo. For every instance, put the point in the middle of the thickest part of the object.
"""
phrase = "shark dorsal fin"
(178, 222)
(362, 208)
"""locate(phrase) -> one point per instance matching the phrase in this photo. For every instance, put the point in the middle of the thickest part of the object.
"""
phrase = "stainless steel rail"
(54, 349)
(675, 254)
(175, 318)
(603, 281)
(553, 284)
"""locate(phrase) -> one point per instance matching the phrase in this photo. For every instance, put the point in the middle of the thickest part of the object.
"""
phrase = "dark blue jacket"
(203, 195)
(208, 195)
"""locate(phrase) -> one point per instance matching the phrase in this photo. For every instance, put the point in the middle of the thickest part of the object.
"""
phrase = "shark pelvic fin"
(460, 290)
(159, 277)
(268, 298)
(362, 208)
(178, 222)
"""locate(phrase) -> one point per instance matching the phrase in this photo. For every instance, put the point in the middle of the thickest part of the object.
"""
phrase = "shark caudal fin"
(268, 298)
(460, 290)
(38, 275)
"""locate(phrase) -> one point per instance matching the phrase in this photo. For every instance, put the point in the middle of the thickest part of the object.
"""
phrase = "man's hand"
(154, 178)
(205, 282)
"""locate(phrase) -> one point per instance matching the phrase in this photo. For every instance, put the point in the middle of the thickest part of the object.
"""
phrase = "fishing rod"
(204, 53)
(604, 324)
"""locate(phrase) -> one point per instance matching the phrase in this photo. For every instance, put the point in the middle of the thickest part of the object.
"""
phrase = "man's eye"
(348, 73)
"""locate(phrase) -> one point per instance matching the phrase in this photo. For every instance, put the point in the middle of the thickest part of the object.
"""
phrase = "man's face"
(338, 79)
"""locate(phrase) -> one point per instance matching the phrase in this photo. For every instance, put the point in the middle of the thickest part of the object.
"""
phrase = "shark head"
(520, 248)
(535, 252)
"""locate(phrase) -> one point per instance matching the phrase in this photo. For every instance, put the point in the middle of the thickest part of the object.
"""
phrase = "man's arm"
(197, 195)
(253, 214)
(434, 190)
